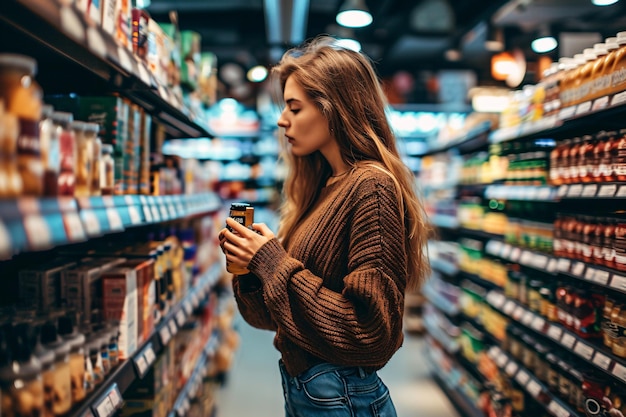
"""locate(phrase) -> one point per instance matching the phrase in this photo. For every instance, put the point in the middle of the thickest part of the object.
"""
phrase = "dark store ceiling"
(409, 35)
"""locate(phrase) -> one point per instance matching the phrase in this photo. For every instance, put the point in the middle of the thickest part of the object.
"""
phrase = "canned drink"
(243, 213)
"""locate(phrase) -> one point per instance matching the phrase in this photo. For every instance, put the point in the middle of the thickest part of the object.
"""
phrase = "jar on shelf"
(618, 320)
(50, 152)
(107, 170)
(67, 152)
(84, 159)
(76, 341)
(62, 398)
(22, 97)
(10, 178)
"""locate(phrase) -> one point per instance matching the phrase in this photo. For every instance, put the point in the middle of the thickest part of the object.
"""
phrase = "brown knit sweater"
(337, 293)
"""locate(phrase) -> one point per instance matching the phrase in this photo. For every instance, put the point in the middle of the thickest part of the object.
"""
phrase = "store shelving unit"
(587, 118)
(69, 38)
(77, 56)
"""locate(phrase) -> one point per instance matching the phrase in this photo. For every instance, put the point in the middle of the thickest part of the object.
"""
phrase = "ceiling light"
(351, 44)
(604, 2)
(544, 42)
(142, 4)
(257, 74)
(354, 14)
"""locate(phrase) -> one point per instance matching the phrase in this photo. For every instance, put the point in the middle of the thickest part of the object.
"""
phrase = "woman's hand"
(242, 244)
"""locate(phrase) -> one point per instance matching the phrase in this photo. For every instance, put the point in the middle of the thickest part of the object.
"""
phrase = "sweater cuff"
(265, 262)
(248, 283)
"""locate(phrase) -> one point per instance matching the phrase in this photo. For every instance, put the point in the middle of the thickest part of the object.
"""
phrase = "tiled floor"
(253, 387)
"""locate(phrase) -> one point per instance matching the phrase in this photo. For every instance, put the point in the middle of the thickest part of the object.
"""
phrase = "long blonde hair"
(345, 87)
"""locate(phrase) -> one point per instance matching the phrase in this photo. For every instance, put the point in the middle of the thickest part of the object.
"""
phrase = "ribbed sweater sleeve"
(361, 324)
(249, 297)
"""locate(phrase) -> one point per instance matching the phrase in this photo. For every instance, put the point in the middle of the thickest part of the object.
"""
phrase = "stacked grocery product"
(589, 81)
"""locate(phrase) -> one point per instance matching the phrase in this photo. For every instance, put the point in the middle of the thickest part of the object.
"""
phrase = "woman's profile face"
(306, 128)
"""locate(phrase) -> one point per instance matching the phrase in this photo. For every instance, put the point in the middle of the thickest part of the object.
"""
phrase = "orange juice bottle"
(618, 71)
(603, 80)
(583, 76)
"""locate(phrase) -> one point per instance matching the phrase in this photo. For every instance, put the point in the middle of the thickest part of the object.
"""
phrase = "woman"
(351, 239)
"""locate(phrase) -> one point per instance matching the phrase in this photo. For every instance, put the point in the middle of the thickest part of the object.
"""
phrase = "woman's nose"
(282, 122)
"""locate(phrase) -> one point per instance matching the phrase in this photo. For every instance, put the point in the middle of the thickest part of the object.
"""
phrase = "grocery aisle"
(253, 385)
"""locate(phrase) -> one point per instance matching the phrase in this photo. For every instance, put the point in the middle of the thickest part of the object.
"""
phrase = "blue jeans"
(335, 391)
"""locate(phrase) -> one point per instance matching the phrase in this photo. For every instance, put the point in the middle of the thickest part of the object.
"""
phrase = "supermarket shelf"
(33, 224)
(445, 267)
(450, 344)
(477, 233)
(524, 378)
(64, 31)
(452, 382)
(536, 260)
(567, 119)
(182, 405)
(599, 357)
(597, 275)
(444, 221)
(475, 138)
(107, 397)
(483, 283)
(545, 193)
(440, 302)
(610, 191)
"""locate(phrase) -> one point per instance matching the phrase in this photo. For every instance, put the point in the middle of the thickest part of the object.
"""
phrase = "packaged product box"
(40, 285)
(170, 57)
(139, 33)
(157, 54)
(119, 305)
(92, 10)
(131, 151)
(112, 114)
(190, 58)
(144, 167)
(144, 268)
(80, 286)
(122, 30)
(109, 8)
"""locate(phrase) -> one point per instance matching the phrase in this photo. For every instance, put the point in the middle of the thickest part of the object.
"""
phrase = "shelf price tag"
(180, 318)
(621, 192)
(135, 217)
(562, 191)
(584, 350)
(590, 190)
(141, 365)
(148, 354)
(108, 403)
(526, 258)
(506, 251)
(538, 323)
(195, 301)
(73, 227)
(575, 190)
(555, 332)
(618, 99)
(557, 410)
(578, 269)
(165, 335)
(619, 371)
(533, 388)
(618, 282)
(583, 108)
(601, 277)
(518, 313)
(590, 274)
(567, 112)
(37, 231)
(188, 307)
(515, 254)
(91, 222)
(563, 265)
(511, 368)
(552, 266)
(173, 328)
(608, 190)
(522, 377)
(600, 103)
(568, 340)
(602, 361)
(502, 360)
(115, 221)
(509, 307)
(528, 318)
